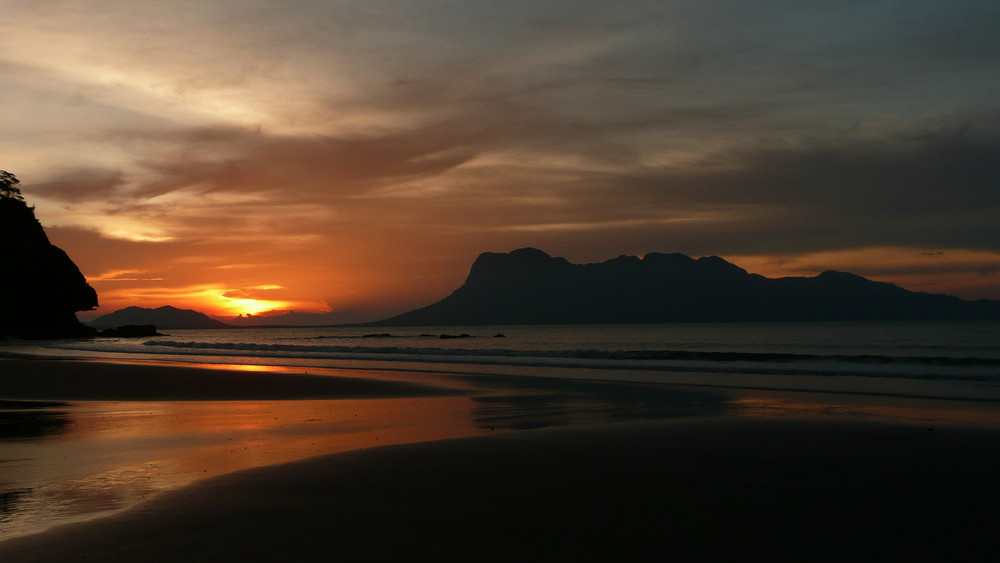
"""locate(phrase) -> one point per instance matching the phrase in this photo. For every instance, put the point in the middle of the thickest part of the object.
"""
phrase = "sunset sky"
(237, 157)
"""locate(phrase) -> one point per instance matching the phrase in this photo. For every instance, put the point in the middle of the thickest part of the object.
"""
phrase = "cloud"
(81, 184)
(934, 190)
(266, 292)
(937, 188)
(315, 166)
(344, 150)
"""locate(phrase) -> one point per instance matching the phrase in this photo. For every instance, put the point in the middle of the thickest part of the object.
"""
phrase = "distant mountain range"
(528, 286)
(165, 318)
(173, 318)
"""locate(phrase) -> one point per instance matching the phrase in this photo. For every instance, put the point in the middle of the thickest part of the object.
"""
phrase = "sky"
(355, 157)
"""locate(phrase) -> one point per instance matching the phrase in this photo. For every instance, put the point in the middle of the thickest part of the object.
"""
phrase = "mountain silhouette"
(42, 288)
(528, 286)
(163, 318)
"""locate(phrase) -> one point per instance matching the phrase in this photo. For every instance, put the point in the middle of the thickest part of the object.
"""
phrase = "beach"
(564, 470)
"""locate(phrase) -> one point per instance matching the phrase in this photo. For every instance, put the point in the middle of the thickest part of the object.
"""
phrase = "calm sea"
(966, 354)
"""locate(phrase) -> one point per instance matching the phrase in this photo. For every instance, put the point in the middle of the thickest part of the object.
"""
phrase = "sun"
(235, 306)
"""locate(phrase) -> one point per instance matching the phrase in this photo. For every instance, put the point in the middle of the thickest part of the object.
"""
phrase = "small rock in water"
(131, 331)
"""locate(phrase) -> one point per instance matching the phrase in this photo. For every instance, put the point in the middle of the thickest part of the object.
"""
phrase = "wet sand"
(689, 488)
(692, 490)
(81, 380)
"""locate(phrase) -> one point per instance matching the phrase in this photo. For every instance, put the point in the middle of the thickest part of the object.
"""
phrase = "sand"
(690, 490)
(680, 489)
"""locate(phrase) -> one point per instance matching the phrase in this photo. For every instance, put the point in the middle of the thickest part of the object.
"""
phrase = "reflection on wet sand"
(8, 500)
(26, 420)
(593, 404)
(91, 458)
(61, 462)
(110, 456)
(908, 411)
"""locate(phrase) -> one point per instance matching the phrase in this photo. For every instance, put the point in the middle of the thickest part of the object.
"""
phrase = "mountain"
(42, 288)
(528, 286)
(164, 318)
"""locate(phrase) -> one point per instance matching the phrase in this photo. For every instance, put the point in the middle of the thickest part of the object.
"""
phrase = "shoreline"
(171, 379)
(605, 422)
(683, 489)
(43, 379)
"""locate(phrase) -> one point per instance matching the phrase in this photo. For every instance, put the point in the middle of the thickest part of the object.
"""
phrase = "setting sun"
(225, 302)
(251, 306)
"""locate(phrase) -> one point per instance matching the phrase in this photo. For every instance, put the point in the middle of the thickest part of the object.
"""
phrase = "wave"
(683, 355)
(908, 366)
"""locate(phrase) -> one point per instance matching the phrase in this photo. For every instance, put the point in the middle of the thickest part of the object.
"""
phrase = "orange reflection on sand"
(226, 366)
(110, 456)
(288, 420)
(257, 434)
(249, 367)
(911, 411)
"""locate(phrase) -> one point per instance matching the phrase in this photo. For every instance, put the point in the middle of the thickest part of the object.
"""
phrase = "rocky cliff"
(42, 288)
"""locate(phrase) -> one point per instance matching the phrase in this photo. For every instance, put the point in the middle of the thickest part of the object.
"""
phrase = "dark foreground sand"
(683, 490)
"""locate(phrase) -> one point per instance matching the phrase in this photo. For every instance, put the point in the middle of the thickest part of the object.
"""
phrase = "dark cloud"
(981, 268)
(439, 131)
(86, 184)
(936, 190)
(305, 168)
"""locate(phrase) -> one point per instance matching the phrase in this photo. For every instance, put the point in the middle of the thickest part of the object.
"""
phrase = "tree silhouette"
(8, 186)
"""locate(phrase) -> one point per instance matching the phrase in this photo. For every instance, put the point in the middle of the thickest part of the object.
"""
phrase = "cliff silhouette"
(528, 286)
(163, 318)
(42, 288)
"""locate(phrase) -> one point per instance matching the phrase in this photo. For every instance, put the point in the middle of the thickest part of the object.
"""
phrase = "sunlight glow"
(243, 305)
(214, 300)
(135, 229)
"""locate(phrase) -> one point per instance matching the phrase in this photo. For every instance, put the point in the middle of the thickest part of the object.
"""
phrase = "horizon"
(348, 318)
(358, 158)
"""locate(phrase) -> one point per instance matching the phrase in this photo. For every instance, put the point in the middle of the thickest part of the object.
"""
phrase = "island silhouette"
(527, 286)
(164, 318)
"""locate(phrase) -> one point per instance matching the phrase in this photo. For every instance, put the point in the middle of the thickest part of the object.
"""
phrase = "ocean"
(964, 354)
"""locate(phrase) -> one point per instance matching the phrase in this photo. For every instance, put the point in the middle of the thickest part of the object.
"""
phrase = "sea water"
(964, 353)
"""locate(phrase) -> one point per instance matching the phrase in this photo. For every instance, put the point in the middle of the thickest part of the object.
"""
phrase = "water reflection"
(906, 411)
(9, 500)
(27, 420)
(593, 403)
(61, 462)
(109, 456)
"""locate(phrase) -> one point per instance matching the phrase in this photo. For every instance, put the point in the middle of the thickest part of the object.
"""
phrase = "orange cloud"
(191, 155)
